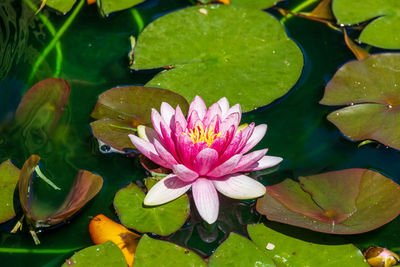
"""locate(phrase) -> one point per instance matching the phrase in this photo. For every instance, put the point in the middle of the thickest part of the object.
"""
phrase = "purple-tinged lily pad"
(120, 110)
(85, 187)
(43, 105)
(341, 202)
(371, 91)
(9, 175)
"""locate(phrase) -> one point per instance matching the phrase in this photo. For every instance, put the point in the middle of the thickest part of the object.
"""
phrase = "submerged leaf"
(120, 110)
(107, 255)
(237, 250)
(151, 252)
(43, 105)
(9, 176)
(371, 89)
(102, 229)
(289, 251)
(384, 29)
(85, 187)
(207, 58)
(162, 220)
(339, 202)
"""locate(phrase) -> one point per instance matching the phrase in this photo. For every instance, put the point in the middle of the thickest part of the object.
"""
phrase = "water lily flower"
(206, 152)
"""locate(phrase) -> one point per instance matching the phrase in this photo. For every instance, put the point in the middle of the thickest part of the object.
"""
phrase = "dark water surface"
(92, 56)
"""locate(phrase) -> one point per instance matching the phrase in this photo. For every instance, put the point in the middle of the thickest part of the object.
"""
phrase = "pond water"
(92, 56)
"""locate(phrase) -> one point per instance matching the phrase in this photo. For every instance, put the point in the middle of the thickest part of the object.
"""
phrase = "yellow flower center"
(199, 134)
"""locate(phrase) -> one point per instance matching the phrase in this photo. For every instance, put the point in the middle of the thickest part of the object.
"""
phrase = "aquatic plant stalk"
(138, 19)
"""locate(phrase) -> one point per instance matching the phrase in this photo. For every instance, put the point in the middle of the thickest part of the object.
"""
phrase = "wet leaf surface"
(120, 110)
(239, 251)
(107, 255)
(162, 220)
(258, 4)
(384, 29)
(109, 6)
(85, 187)
(151, 252)
(9, 176)
(341, 202)
(370, 90)
(286, 250)
(204, 57)
(61, 5)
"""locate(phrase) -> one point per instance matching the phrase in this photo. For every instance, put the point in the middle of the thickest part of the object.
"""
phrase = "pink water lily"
(206, 152)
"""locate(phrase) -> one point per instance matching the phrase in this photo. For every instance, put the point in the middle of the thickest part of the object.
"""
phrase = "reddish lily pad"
(43, 105)
(370, 88)
(9, 175)
(339, 202)
(85, 187)
(120, 110)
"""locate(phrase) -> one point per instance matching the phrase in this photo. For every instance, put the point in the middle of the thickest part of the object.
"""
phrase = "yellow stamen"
(199, 134)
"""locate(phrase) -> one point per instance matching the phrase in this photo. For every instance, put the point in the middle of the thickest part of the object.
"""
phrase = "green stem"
(298, 8)
(37, 251)
(44, 178)
(55, 40)
(53, 32)
(138, 19)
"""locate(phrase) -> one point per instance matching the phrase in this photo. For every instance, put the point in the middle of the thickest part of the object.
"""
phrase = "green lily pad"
(152, 252)
(370, 88)
(85, 187)
(251, 62)
(339, 202)
(61, 5)
(239, 251)
(110, 6)
(162, 220)
(383, 31)
(106, 254)
(43, 105)
(257, 4)
(9, 176)
(289, 251)
(120, 110)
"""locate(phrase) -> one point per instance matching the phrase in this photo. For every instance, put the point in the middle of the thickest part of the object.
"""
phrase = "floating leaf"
(244, 62)
(162, 220)
(110, 6)
(107, 254)
(151, 252)
(239, 251)
(102, 229)
(120, 110)
(85, 187)
(9, 176)
(383, 31)
(257, 4)
(371, 89)
(341, 202)
(42, 106)
(152, 167)
(289, 251)
(61, 5)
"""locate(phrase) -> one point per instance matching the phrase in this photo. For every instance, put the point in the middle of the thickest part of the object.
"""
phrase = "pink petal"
(186, 150)
(148, 150)
(231, 120)
(212, 113)
(164, 154)
(205, 160)
(234, 109)
(167, 113)
(168, 140)
(232, 147)
(167, 189)
(226, 167)
(246, 134)
(264, 163)
(147, 133)
(206, 199)
(180, 118)
(224, 105)
(199, 106)
(218, 144)
(258, 134)
(157, 120)
(249, 159)
(194, 120)
(239, 186)
(184, 173)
